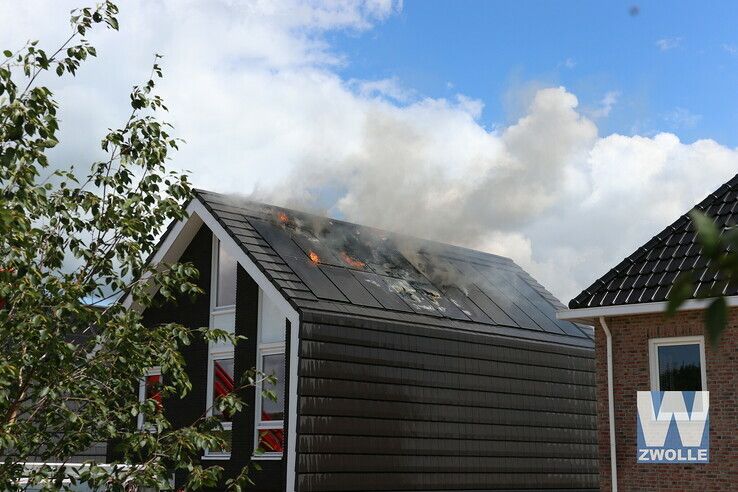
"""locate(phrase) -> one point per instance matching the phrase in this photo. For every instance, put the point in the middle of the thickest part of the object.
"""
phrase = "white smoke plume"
(546, 191)
(402, 180)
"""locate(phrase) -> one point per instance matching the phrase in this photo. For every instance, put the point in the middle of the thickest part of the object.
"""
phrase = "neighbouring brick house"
(628, 303)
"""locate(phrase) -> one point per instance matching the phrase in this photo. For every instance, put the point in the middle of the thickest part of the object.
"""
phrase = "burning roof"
(321, 263)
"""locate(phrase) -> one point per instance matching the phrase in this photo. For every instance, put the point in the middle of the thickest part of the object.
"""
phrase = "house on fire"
(639, 348)
(402, 364)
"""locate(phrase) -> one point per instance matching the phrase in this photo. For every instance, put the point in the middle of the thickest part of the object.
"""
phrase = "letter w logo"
(657, 409)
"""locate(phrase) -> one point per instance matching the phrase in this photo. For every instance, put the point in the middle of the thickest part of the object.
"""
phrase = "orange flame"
(283, 217)
(314, 257)
(351, 261)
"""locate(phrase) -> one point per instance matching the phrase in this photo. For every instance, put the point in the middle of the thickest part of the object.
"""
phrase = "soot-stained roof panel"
(321, 263)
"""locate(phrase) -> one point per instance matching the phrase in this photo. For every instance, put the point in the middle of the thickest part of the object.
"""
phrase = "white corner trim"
(294, 358)
(611, 407)
(588, 314)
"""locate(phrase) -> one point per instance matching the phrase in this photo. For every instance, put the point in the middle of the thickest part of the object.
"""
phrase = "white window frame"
(154, 371)
(227, 426)
(222, 317)
(655, 343)
(215, 266)
(271, 348)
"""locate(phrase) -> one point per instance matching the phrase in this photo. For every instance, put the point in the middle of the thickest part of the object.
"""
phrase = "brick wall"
(631, 373)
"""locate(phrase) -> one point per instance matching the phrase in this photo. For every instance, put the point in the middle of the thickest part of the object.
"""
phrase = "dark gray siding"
(393, 406)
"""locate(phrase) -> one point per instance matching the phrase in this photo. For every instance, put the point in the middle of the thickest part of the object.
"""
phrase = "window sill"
(267, 456)
(230, 308)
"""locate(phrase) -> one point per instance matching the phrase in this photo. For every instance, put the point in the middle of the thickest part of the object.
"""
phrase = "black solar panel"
(315, 260)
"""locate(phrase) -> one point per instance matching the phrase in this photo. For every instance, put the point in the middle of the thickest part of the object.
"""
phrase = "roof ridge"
(453, 247)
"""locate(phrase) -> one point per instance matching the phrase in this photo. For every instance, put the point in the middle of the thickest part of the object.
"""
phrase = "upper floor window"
(225, 284)
(220, 384)
(678, 364)
(270, 361)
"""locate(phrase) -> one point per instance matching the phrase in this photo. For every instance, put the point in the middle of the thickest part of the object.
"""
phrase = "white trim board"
(589, 314)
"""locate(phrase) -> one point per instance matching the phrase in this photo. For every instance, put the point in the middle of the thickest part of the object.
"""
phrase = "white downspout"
(611, 407)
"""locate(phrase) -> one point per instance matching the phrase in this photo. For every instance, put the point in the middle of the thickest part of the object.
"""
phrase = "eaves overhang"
(589, 315)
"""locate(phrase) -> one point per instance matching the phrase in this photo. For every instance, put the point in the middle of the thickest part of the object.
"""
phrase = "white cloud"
(666, 44)
(256, 91)
(388, 88)
(606, 104)
(681, 118)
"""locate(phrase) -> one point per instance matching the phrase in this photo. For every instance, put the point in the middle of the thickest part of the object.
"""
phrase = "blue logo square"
(673, 427)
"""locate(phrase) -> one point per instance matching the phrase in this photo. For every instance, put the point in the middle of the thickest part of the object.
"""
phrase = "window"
(220, 380)
(269, 435)
(220, 383)
(678, 364)
(270, 423)
(226, 277)
(150, 389)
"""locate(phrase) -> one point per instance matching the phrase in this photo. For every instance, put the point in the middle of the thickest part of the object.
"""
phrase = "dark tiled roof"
(365, 272)
(648, 274)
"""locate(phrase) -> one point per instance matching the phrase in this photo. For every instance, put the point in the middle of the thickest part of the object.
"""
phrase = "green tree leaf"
(708, 232)
(716, 318)
(71, 361)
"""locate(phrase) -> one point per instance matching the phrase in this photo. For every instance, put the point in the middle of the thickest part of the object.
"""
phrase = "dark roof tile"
(609, 298)
(661, 292)
(640, 281)
(621, 297)
(647, 295)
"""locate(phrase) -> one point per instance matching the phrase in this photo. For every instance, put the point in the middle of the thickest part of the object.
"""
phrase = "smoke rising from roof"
(546, 191)
(397, 181)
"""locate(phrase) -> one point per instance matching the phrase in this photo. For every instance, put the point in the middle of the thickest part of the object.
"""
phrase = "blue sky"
(674, 65)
